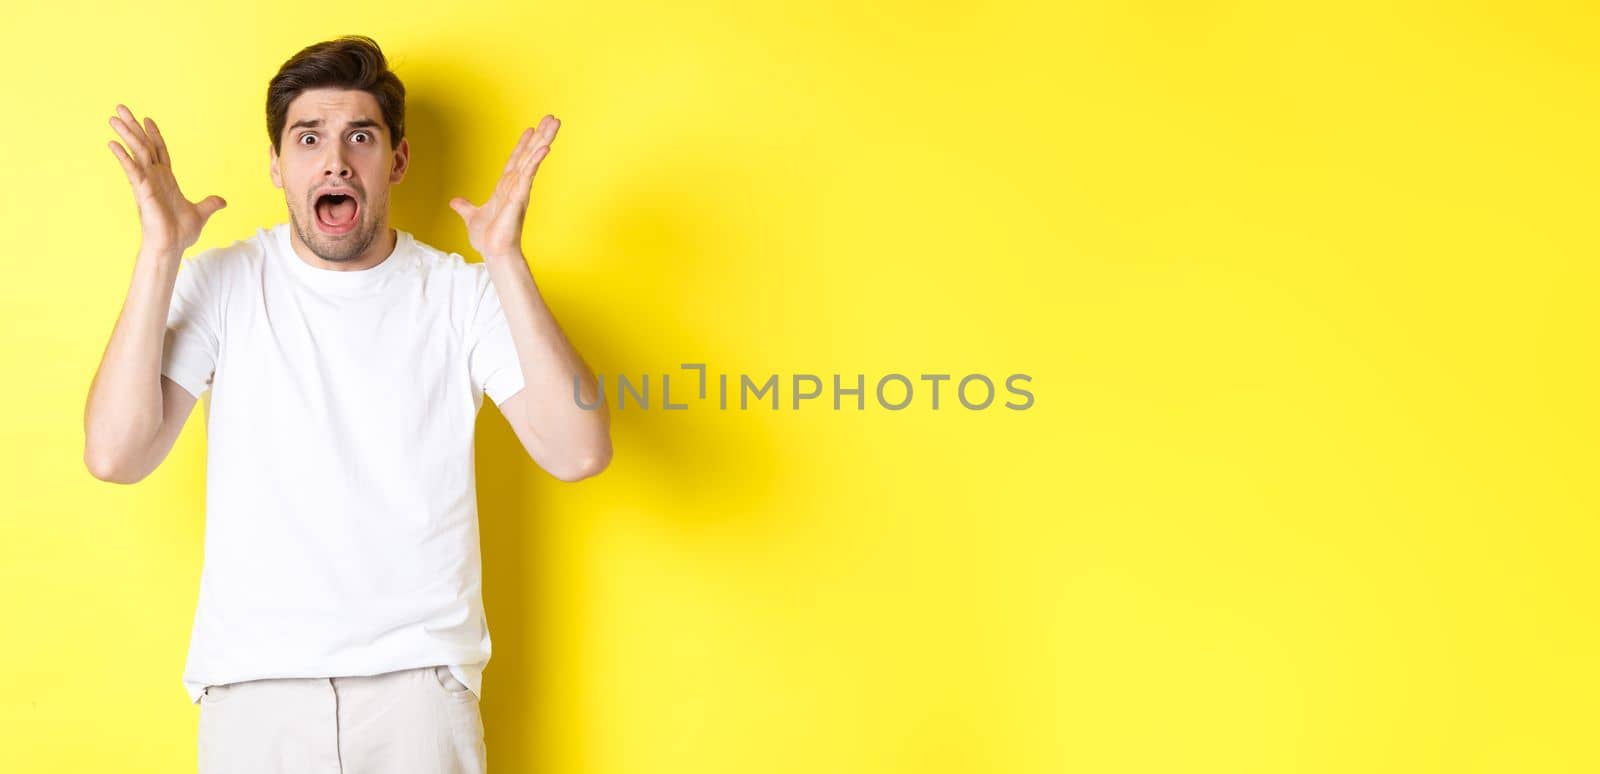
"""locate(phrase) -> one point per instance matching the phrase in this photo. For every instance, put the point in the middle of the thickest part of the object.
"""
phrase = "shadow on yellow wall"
(701, 468)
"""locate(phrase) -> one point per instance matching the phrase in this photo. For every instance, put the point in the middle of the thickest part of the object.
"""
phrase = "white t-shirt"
(341, 531)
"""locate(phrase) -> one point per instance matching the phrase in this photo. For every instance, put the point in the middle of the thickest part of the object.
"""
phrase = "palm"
(164, 209)
(495, 227)
(168, 219)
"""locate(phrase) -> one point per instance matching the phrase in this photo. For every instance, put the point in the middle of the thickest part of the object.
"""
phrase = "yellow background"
(1307, 295)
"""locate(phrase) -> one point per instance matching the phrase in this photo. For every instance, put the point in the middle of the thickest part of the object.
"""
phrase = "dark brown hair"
(348, 62)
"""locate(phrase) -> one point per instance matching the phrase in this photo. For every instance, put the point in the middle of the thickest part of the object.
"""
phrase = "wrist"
(160, 254)
(512, 255)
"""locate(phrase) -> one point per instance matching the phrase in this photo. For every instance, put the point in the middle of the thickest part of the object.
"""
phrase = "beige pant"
(414, 721)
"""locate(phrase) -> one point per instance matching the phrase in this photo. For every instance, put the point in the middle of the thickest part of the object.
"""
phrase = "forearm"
(550, 364)
(124, 410)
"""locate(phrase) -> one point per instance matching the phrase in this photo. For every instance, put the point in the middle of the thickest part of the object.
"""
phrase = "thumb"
(462, 207)
(210, 205)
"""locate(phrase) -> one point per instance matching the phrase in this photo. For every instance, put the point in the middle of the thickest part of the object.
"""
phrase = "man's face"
(335, 169)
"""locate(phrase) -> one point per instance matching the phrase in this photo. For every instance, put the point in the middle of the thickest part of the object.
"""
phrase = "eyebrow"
(359, 123)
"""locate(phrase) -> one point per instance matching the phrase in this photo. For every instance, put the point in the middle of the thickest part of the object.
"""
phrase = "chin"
(335, 249)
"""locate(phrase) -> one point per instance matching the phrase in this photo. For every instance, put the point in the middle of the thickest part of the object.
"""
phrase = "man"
(340, 624)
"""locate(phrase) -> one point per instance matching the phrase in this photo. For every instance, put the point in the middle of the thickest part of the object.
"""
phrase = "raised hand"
(170, 222)
(495, 227)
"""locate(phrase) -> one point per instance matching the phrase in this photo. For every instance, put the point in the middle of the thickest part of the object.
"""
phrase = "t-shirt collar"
(340, 281)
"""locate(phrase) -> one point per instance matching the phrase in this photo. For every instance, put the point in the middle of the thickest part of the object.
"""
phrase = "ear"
(272, 157)
(402, 161)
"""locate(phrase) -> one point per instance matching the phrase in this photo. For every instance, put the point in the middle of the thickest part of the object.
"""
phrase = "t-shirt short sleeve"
(189, 350)
(492, 357)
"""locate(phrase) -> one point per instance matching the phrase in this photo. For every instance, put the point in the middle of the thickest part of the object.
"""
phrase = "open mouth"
(337, 213)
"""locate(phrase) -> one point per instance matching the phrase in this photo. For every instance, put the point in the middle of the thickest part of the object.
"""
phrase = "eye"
(363, 135)
(307, 136)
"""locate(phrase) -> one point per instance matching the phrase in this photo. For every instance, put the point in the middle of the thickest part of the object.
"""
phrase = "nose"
(335, 165)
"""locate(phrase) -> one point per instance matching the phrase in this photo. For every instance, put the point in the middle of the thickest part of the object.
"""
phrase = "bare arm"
(128, 401)
(133, 413)
(568, 441)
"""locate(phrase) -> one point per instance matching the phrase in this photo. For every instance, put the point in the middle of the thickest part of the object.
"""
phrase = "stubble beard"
(337, 249)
